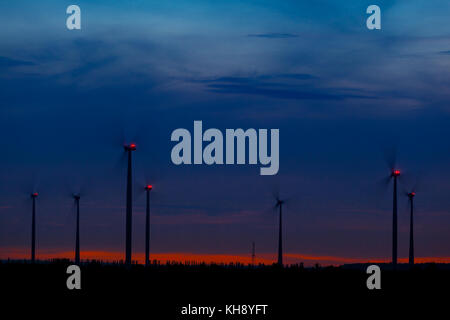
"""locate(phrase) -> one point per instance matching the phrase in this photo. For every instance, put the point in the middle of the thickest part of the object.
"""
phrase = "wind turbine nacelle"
(34, 195)
(395, 173)
(130, 147)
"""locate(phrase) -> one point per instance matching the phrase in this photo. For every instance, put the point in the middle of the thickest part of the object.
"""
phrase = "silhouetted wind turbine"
(253, 253)
(411, 196)
(33, 227)
(77, 237)
(148, 188)
(129, 149)
(279, 205)
(394, 174)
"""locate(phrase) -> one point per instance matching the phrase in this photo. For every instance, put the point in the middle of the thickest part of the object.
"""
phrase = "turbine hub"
(148, 187)
(130, 147)
(34, 195)
(395, 173)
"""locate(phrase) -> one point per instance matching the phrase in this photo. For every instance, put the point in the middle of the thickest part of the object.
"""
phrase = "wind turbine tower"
(148, 188)
(411, 229)
(253, 253)
(77, 237)
(129, 213)
(33, 227)
(395, 174)
(279, 204)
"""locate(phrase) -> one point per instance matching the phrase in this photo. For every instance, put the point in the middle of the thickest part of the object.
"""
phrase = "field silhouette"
(165, 288)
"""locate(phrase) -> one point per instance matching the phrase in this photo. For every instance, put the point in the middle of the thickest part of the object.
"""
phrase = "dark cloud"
(297, 76)
(8, 62)
(283, 86)
(258, 78)
(92, 65)
(273, 35)
(447, 52)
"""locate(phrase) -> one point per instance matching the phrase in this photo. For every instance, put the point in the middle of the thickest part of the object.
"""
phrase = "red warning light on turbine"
(130, 147)
(149, 187)
(395, 173)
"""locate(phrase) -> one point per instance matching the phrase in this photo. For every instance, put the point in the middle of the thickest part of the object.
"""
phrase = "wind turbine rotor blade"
(121, 162)
(276, 192)
(384, 182)
(84, 189)
(390, 157)
(418, 184)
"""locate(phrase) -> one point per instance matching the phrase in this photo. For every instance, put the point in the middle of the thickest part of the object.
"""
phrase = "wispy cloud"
(273, 35)
(9, 62)
(282, 86)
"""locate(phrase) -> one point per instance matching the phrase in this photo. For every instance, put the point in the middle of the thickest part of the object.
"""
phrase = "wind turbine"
(253, 253)
(394, 175)
(148, 188)
(33, 227)
(129, 211)
(77, 237)
(411, 196)
(391, 160)
(279, 204)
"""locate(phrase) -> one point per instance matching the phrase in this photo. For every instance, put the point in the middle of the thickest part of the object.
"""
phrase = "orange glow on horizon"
(183, 257)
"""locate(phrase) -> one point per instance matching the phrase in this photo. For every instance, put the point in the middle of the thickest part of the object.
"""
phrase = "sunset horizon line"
(208, 258)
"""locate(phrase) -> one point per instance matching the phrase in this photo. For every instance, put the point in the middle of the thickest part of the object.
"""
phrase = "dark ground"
(290, 293)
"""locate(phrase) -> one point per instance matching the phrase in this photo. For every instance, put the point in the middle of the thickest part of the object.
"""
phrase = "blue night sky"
(340, 94)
